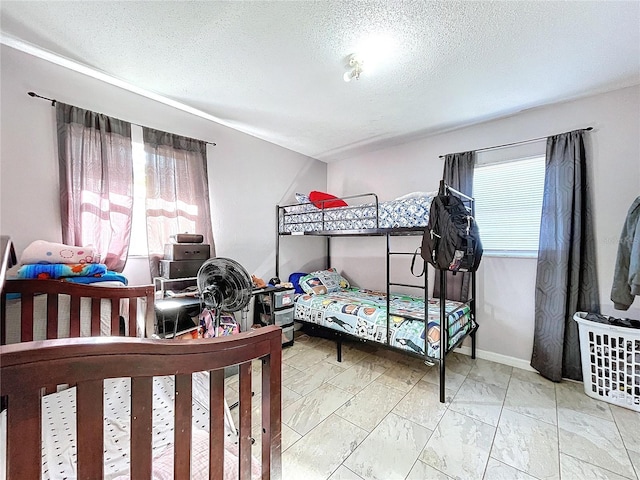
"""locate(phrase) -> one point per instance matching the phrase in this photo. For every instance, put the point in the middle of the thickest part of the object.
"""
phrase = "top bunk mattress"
(404, 212)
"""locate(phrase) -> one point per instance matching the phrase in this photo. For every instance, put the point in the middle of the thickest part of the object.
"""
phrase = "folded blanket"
(107, 277)
(60, 270)
(41, 251)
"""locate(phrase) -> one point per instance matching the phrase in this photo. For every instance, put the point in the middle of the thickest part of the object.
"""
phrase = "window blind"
(508, 204)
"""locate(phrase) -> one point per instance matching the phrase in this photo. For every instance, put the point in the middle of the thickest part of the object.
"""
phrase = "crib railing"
(27, 367)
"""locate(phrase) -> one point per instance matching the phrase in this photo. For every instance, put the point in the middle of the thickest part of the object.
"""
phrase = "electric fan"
(224, 286)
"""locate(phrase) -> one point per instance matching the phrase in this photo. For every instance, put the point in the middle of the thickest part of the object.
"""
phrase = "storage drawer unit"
(274, 306)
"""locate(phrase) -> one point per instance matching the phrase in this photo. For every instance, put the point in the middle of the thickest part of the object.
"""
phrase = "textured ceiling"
(275, 69)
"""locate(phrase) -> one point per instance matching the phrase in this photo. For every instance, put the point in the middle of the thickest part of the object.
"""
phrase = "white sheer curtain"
(177, 198)
(96, 182)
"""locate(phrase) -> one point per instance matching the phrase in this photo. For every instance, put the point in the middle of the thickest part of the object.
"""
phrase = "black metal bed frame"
(388, 233)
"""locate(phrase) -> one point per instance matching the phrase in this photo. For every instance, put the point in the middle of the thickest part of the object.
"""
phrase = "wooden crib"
(30, 369)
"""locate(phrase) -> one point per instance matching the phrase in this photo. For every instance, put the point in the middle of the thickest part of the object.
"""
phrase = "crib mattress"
(363, 313)
(59, 429)
(404, 213)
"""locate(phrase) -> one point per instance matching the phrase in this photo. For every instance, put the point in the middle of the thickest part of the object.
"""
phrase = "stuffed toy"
(258, 282)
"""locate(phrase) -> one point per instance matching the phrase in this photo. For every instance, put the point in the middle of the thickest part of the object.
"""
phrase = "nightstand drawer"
(287, 335)
(280, 317)
(280, 299)
(283, 317)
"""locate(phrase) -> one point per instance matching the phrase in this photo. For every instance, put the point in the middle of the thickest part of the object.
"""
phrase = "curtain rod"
(588, 129)
(54, 101)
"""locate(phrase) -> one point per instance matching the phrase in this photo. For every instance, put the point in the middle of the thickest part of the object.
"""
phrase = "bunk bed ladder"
(424, 288)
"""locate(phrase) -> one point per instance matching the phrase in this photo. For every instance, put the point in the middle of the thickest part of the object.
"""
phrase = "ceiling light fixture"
(355, 65)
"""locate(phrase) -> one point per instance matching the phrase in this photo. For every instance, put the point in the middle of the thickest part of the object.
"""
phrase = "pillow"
(323, 281)
(418, 195)
(331, 201)
(302, 198)
(41, 251)
(306, 206)
(295, 279)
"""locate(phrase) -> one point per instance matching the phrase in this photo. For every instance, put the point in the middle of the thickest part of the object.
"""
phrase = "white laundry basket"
(610, 362)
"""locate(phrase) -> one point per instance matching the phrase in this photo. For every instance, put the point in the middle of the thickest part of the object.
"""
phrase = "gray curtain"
(566, 280)
(177, 199)
(96, 182)
(458, 174)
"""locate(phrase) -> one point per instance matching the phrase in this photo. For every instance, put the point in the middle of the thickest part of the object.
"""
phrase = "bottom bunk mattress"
(59, 451)
(363, 313)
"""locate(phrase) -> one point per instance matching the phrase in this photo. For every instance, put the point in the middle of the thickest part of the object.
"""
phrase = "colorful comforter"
(401, 213)
(364, 313)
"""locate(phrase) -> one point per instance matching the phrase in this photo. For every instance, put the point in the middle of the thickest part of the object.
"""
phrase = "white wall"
(506, 285)
(247, 176)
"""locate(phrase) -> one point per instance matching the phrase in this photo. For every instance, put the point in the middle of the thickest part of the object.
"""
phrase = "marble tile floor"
(377, 415)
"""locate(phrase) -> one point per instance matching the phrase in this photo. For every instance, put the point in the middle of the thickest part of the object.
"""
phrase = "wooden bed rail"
(29, 288)
(26, 367)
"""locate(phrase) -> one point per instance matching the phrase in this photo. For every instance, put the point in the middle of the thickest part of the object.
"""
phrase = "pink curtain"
(96, 182)
(177, 191)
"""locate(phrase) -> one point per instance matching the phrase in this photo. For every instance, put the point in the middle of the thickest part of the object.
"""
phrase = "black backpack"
(451, 240)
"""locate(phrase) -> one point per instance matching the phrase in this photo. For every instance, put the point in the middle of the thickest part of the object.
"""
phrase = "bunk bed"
(65, 401)
(406, 323)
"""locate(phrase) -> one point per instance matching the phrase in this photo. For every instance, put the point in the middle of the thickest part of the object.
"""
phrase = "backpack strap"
(413, 263)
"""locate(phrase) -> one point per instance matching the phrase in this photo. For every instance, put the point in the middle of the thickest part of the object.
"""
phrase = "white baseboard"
(498, 358)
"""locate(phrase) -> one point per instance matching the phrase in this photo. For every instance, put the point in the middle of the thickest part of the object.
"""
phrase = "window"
(138, 242)
(178, 197)
(508, 203)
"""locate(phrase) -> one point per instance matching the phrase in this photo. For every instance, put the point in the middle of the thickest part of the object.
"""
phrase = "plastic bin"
(610, 362)
(281, 299)
(287, 336)
(281, 317)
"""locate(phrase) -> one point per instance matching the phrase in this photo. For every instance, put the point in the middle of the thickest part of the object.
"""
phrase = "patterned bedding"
(364, 313)
(405, 212)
